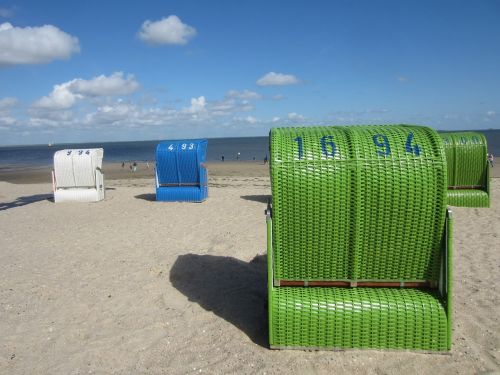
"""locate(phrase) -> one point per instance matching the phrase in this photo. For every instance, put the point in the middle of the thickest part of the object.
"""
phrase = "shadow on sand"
(230, 288)
(151, 197)
(23, 201)
(257, 198)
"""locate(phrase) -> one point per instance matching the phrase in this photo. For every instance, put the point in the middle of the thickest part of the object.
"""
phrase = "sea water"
(244, 149)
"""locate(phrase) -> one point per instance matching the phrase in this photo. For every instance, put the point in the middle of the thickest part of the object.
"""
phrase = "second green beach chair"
(468, 170)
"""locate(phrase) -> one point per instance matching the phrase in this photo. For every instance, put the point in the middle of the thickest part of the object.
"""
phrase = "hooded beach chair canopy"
(77, 175)
(468, 169)
(180, 170)
(359, 239)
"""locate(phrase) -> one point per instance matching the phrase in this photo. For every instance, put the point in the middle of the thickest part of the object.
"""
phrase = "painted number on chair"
(382, 142)
(412, 148)
(328, 147)
(301, 147)
(171, 147)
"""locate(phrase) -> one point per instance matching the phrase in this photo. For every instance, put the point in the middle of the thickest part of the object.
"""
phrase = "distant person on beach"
(265, 159)
(123, 164)
(222, 158)
(135, 166)
(147, 165)
(491, 158)
(238, 156)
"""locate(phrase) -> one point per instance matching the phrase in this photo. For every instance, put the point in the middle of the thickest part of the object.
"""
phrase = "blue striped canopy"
(178, 162)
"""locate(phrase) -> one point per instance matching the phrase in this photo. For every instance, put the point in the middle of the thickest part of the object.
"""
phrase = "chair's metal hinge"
(269, 210)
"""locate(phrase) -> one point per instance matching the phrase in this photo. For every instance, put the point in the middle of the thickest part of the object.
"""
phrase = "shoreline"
(114, 171)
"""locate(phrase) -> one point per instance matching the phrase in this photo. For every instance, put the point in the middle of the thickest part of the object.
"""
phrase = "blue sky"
(103, 71)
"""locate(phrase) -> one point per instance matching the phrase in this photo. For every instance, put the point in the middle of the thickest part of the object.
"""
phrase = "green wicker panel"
(313, 201)
(357, 318)
(449, 149)
(466, 156)
(467, 166)
(468, 198)
(357, 203)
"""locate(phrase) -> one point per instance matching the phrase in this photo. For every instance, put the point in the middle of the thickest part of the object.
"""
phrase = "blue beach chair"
(180, 171)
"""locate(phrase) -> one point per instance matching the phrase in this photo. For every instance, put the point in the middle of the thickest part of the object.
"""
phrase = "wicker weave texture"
(358, 318)
(468, 198)
(178, 162)
(180, 171)
(466, 158)
(357, 203)
(467, 167)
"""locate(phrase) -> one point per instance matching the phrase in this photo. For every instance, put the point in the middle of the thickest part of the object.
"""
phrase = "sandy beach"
(134, 286)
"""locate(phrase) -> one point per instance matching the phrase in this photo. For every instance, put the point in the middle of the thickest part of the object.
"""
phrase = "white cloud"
(115, 84)
(6, 118)
(200, 110)
(35, 45)
(7, 121)
(251, 119)
(197, 105)
(223, 107)
(227, 106)
(61, 97)
(108, 114)
(276, 119)
(277, 79)
(169, 30)
(403, 79)
(7, 102)
(39, 117)
(278, 97)
(245, 94)
(293, 116)
(6, 13)
(489, 116)
(65, 95)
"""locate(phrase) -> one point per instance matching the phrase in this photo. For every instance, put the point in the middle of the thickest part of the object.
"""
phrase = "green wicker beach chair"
(359, 239)
(468, 170)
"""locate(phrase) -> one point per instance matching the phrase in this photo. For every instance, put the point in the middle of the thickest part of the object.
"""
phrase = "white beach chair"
(77, 175)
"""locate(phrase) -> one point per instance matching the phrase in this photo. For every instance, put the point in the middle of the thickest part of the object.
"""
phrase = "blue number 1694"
(328, 146)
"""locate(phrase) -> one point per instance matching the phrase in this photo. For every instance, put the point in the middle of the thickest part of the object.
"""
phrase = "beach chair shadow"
(23, 201)
(232, 289)
(257, 198)
(147, 197)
